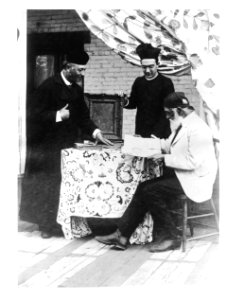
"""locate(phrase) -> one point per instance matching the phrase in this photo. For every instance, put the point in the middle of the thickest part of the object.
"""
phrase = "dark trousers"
(157, 196)
(39, 200)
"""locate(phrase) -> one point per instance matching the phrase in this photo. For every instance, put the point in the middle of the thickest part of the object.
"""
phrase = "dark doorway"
(46, 51)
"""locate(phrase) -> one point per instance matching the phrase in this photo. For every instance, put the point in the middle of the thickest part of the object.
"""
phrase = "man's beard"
(174, 124)
(74, 77)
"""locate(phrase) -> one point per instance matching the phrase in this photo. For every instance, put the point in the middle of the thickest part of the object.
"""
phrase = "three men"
(57, 111)
(189, 157)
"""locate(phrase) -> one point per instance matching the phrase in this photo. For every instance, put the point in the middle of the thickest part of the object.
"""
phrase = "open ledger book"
(143, 147)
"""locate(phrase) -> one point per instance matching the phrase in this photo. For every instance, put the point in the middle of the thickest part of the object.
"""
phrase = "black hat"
(78, 57)
(147, 51)
(176, 99)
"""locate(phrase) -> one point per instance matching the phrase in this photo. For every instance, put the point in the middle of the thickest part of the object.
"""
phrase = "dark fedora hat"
(77, 57)
(176, 99)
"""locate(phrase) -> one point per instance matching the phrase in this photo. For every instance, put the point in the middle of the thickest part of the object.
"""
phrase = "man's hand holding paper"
(143, 147)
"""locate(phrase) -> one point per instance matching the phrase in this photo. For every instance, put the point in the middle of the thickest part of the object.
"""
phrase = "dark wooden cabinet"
(106, 112)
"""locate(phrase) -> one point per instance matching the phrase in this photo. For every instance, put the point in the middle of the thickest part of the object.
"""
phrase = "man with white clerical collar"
(147, 95)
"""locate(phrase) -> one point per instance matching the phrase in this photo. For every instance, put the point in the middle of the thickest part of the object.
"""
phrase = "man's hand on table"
(100, 138)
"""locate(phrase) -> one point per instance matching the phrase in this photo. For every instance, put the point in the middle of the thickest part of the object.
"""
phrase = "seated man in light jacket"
(189, 158)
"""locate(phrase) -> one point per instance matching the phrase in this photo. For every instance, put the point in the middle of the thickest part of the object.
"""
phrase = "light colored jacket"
(192, 156)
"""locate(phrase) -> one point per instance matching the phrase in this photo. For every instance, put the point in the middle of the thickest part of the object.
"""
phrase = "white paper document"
(143, 147)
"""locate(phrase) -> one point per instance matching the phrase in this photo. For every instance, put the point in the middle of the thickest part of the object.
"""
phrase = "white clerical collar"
(64, 79)
(152, 77)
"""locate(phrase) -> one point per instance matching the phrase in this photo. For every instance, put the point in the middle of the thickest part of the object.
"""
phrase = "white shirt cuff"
(95, 133)
(58, 117)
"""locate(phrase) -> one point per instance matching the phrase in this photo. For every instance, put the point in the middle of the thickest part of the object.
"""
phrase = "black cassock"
(147, 97)
(45, 140)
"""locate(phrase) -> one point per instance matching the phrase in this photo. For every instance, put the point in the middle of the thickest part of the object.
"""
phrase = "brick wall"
(54, 21)
(107, 72)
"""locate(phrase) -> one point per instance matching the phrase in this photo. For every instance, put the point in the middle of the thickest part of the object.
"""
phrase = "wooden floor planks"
(58, 262)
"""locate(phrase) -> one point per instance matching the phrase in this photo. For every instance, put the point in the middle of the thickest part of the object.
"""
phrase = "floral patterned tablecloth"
(101, 183)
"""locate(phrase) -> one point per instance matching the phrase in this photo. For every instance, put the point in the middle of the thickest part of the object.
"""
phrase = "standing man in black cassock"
(57, 111)
(147, 95)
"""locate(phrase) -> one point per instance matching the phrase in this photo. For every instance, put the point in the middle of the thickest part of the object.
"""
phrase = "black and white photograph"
(118, 171)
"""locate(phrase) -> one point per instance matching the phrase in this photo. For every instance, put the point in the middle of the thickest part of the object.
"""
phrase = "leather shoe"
(46, 235)
(115, 239)
(165, 245)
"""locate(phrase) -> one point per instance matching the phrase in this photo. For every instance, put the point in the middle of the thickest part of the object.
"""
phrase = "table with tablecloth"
(99, 182)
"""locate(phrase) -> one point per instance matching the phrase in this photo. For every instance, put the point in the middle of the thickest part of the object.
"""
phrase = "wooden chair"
(190, 215)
